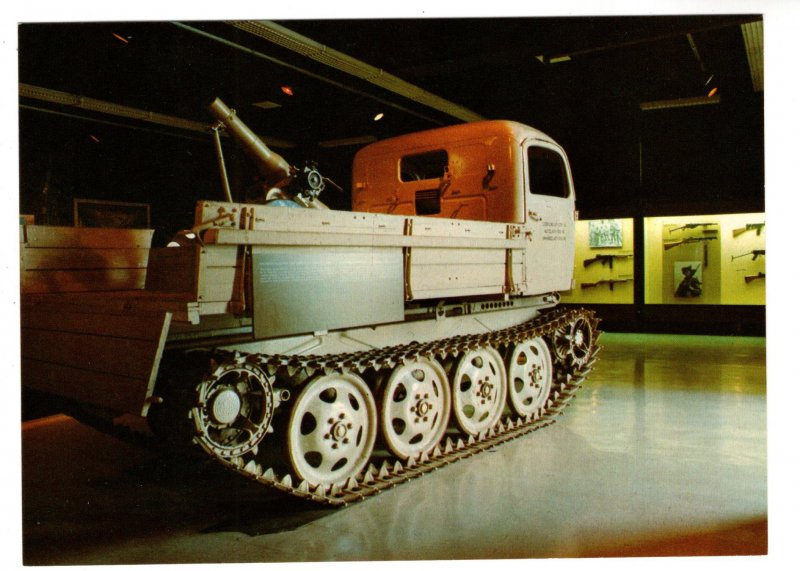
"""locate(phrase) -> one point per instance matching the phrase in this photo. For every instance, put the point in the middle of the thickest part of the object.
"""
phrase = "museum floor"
(664, 452)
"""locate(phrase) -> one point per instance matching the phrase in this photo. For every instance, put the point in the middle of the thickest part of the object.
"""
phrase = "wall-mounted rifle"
(692, 226)
(670, 245)
(610, 283)
(605, 259)
(749, 227)
(754, 253)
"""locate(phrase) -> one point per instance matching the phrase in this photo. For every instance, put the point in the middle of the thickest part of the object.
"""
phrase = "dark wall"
(626, 162)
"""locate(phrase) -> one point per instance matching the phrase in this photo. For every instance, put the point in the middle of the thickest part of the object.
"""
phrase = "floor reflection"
(667, 439)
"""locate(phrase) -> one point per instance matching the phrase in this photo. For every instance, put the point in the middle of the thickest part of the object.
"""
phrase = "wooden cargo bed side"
(105, 359)
(59, 259)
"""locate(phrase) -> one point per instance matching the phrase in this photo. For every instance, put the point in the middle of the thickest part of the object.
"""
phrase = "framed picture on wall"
(605, 233)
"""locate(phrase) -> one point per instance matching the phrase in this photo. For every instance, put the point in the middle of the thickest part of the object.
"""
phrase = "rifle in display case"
(748, 228)
(692, 226)
(605, 259)
(754, 253)
(670, 245)
(610, 283)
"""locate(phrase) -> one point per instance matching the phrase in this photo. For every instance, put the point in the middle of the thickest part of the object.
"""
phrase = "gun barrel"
(273, 166)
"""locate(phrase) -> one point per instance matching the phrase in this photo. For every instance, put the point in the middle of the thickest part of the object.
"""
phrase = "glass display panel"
(603, 271)
(717, 259)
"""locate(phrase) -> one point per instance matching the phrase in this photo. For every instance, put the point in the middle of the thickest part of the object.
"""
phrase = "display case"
(710, 260)
(604, 262)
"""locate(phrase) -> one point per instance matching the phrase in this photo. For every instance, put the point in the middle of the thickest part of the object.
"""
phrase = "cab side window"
(423, 166)
(429, 166)
(547, 173)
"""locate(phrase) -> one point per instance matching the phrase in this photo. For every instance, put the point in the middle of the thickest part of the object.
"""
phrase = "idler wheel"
(572, 343)
(233, 410)
(530, 375)
(415, 408)
(479, 390)
(332, 429)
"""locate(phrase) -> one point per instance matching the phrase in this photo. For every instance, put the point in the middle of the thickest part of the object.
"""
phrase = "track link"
(569, 374)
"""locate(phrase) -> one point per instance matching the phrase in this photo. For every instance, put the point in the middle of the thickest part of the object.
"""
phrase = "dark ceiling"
(509, 68)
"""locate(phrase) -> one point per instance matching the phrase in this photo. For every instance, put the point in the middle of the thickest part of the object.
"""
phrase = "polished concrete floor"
(664, 452)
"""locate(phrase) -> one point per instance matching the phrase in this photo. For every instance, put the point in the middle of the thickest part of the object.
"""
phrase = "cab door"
(549, 217)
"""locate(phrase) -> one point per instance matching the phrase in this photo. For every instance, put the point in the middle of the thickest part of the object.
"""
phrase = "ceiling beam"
(753, 35)
(321, 53)
(305, 72)
(105, 107)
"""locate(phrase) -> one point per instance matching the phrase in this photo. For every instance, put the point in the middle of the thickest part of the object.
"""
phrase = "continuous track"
(572, 358)
(570, 334)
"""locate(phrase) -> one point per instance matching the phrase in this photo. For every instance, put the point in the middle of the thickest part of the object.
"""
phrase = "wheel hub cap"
(423, 408)
(536, 373)
(226, 406)
(339, 431)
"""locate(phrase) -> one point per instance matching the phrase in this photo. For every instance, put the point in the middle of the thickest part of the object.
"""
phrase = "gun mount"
(282, 181)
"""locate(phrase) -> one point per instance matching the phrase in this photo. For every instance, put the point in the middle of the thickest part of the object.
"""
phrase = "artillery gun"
(331, 354)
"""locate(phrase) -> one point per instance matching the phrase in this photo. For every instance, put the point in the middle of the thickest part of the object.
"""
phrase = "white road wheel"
(479, 390)
(530, 375)
(332, 429)
(415, 408)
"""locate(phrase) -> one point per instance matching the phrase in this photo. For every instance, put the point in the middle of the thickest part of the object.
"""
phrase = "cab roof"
(452, 133)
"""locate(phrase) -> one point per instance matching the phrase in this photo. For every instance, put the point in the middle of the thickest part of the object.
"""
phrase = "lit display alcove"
(712, 260)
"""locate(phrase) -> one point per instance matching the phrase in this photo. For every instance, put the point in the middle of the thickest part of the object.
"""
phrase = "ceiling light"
(287, 90)
(120, 38)
(557, 59)
(347, 142)
(713, 92)
(267, 104)
(378, 117)
(683, 102)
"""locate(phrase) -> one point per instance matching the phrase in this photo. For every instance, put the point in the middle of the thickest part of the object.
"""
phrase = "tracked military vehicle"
(328, 354)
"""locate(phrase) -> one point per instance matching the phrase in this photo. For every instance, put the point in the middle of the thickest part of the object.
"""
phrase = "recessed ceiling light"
(287, 90)
(347, 142)
(674, 103)
(267, 104)
(378, 117)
